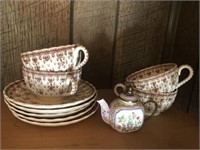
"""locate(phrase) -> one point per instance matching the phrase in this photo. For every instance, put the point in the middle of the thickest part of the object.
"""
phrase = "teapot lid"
(128, 95)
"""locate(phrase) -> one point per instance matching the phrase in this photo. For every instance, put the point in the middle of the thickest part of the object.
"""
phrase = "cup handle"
(156, 107)
(86, 56)
(73, 84)
(119, 85)
(191, 72)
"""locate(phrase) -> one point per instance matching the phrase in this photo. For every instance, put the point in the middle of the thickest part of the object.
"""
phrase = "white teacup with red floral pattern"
(62, 58)
(163, 100)
(52, 83)
(160, 78)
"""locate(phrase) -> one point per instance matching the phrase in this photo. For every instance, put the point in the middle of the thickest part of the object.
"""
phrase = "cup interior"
(151, 72)
(47, 50)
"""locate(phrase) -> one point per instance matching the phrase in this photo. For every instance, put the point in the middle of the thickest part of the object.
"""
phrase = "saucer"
(62, 123)
(18, 93)
(56, 119)
(49, 112)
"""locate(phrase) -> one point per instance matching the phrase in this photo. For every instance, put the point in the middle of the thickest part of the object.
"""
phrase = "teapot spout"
(105, 111)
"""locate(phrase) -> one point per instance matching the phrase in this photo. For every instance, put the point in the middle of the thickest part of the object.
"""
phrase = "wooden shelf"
(171, 129)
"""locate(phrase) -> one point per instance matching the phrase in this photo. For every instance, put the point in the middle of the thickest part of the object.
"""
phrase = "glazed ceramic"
(126, 113)
(163, 100)
(67, 110)
(52, 83)
(19, 94)
(55, 119)
(62, 58)
(16, 109)
(159, 78)
(62, 123)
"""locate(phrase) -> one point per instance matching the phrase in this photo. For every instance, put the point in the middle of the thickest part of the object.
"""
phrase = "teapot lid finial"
(129, 90)
(128, 95)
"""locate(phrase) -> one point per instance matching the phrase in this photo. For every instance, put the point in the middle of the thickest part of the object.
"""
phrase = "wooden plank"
(186, 48)
(29, 25)
(171, 31)
(140, 36)
(94, 27)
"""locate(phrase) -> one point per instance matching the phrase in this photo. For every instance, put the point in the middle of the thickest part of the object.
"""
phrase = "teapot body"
(126, 116)
(126, 113)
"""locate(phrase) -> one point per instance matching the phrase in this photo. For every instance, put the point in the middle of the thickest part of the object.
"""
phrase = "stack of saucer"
(52, 92)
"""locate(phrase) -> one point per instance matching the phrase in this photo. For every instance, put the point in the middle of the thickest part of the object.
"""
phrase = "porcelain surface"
(122, 116)
(52, 83)
(126, 116)
(159, 78)
(56, 119)
(18, 93)
(62, 123)
(164, 100)
(65, 110)
(44, 115)
(62, 58)
(128, 120)
(126, 113)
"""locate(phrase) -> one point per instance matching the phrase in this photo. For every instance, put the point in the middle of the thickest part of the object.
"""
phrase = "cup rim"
(174, 66)
(26, 70)
(47, 50)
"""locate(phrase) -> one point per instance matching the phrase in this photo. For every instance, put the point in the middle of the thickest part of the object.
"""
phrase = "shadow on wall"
(138, 47)
(98, 69)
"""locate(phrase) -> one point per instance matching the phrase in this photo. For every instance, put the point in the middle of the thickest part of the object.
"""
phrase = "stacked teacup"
(159, 83)
(54, 71)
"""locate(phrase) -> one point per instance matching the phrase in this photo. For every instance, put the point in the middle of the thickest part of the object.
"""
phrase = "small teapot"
(126, 113)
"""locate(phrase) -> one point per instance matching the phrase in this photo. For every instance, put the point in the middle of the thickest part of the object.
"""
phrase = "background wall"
(121, 37)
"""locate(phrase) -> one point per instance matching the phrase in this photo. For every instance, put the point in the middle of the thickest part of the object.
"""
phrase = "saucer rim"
(50, 106)
(65, 123)
(57, 119)
(51, 111)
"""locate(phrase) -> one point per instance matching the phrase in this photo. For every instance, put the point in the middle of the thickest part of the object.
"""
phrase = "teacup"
(52, 83)
(159, 78)
(163, 100)
(62, 58)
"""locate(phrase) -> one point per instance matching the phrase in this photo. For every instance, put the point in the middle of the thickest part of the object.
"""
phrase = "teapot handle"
(156, 107)
(119, 85)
